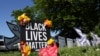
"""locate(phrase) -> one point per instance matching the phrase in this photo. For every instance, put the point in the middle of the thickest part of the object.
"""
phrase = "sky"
(6, 8)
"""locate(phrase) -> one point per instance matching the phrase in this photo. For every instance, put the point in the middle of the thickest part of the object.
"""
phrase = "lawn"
(75, 51)
(15, 53)
(10, 53)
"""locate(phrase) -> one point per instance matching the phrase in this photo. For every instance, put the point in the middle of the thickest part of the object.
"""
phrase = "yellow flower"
(26, 20)
(27, 49)
(50, 41)
(23, 18)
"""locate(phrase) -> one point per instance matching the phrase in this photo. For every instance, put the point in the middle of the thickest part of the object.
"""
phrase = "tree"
(65, 14)
(28, 10)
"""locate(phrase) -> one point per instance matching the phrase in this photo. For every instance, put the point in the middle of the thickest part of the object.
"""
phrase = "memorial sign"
(35, 34)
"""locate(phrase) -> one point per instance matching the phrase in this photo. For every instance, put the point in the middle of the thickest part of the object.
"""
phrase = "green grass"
(79, 51)
(10, 53)
(15, 53)
(75, 51)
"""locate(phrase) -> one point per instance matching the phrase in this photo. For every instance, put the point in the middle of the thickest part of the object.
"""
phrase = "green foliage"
(65, 14)
(97, 29)
(79, 51)
(28, 10)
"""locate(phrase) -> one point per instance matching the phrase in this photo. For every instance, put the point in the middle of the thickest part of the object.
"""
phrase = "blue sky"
(6, 8)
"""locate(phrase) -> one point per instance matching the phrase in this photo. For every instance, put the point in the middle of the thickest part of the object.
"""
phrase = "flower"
(25, 49)
(23, 19)
(50, 41)
(47, 23)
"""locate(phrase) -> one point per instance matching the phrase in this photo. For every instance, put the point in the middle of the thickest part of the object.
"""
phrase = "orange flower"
(48, 23)
(25, 49)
